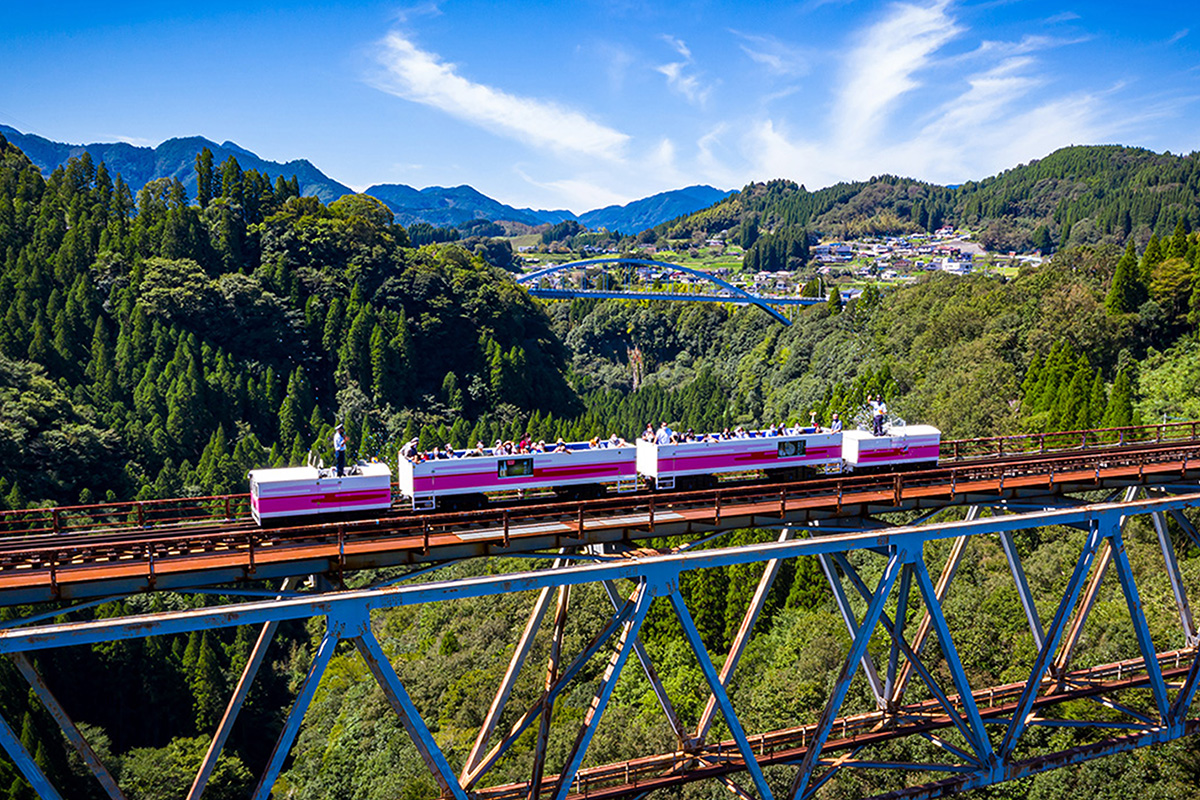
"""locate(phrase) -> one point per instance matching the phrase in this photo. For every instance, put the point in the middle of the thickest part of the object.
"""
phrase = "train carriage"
(908, 444)
(305, 491)
(694, 463)
(580, 472)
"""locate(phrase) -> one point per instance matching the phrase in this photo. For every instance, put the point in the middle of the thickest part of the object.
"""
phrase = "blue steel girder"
(347, 616)
(739, 295)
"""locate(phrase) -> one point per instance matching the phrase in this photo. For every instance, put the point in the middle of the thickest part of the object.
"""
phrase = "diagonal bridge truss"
(882, 579)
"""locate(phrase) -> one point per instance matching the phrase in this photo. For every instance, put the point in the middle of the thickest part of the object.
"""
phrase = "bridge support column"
(1022, 586)
(949, 570)
(25, 763)
(843, 604)
(1176, 578)
(510, 676)
(1020, 715)
(741, 639)
(552, 666)
(660, 693)
(299, 707)
(858, 649)
(257, 654)
(722, 699)
(67, 726)
(600, 702)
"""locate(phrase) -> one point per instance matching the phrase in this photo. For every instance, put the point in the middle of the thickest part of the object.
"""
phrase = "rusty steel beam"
(76, 566)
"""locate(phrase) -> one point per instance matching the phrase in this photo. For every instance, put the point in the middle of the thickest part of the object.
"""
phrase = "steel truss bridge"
(728, 292)
(888, 581)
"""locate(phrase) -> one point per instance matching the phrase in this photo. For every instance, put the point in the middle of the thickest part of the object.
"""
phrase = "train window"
(791, 449)
(514, 468)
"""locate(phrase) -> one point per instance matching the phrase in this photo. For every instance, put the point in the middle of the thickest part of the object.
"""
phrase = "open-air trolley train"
(581, 472)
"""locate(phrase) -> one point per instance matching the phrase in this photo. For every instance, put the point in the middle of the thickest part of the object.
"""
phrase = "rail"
(53, 561)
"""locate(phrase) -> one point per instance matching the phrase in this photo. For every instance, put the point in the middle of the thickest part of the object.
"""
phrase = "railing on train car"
(1058, 441)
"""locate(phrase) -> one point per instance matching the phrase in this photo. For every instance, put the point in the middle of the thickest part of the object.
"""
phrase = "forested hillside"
(1074, 196)
(153, 346)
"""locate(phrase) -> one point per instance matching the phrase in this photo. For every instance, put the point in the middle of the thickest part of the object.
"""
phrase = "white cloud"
(1179, 34)
(883, 67)
(419, 76)
(679, 79)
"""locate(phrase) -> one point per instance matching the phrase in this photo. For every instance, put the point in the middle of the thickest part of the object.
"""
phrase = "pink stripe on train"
(926, 453)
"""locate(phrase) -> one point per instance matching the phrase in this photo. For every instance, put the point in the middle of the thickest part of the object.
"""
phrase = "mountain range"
(436, 205)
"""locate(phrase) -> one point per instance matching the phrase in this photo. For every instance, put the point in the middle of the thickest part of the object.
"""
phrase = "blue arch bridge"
(890, 692)
(724, 292)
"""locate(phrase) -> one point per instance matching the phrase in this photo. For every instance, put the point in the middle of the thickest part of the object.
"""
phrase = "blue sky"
(582, 104)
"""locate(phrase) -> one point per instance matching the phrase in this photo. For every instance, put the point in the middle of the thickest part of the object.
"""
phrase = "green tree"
(204, 177)
(834, 302)
(1127, 292)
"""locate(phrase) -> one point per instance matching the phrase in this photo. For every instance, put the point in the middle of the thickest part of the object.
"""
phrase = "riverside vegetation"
(161, 345)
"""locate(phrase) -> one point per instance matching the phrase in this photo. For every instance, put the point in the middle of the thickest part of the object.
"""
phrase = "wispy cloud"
(679, 78)
(990, 110)
(884, 67)
(1065, 16)
(1179, 34)
(419, 76)
(136, 141)
(778, 58)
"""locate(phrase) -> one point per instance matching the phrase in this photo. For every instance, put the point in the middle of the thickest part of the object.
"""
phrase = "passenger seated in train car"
(725, 434)
(409, 450)
(525, 443)
(836, 425)
(539, 446)
(561, 447)
(475, 451)
(689, 435)
(448, 451)
(594, 443)
(648, 434)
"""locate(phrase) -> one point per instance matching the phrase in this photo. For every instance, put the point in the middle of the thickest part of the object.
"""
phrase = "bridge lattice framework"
(977, 741)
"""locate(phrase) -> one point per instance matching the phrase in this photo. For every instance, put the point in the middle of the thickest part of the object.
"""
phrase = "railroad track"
(44, 565)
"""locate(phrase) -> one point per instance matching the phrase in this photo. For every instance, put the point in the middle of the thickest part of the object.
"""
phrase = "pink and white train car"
(910, 444)
(304, 491)
(665, 463)
(425, 482)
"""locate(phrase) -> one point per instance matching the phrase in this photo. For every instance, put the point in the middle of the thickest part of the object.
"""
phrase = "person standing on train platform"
(339, 448)
(664, 434)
